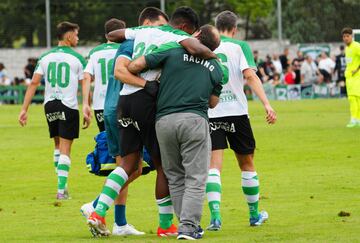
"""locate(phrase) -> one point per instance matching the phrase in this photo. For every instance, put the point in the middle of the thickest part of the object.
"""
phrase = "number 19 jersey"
(99, 65)
(236, 56)
(61, 68)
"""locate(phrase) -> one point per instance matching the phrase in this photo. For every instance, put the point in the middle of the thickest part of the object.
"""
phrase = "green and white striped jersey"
(100, 63)
(236, 56)
(61, 68)
(146, 39)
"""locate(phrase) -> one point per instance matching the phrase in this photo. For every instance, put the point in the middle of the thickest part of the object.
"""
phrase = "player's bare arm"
(35, 82)
(195, 48)
(122, 73)
(213, 101)
(137, 65)
(116, 35)
(88, 78)
(256, 85)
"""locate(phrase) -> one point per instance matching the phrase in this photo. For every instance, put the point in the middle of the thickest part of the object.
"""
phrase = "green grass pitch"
(308, 166)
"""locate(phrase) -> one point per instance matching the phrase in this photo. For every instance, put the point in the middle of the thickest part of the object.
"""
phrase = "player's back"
(236, 56)
(146, 39)
(61, 68)
(100, 64)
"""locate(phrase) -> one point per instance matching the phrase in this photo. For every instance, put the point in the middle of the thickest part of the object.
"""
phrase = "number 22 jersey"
(236, 56)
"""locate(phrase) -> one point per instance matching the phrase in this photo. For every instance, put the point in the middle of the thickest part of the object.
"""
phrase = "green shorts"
(112, 132)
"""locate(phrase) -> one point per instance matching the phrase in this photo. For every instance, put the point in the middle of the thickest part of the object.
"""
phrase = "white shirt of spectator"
(4, 78)
(233, 100)
(309, 72)
(100, 63)
(62, 68)
(277, 65)
(147, 39)
(327, 64)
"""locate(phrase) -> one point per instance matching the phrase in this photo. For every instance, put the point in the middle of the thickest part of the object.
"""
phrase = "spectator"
(284, 59)
(260, 67)
(290, 76)
(299, 57)
(277, 64)
(275, 81)
(340, 66)
(326, 67)
(4, 78)
(269, 67)
(297, 62)
(308, 71)
(29, 69)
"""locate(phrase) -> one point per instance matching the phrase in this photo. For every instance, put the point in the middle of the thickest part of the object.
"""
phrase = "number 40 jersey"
(62, 69)
(100, 64)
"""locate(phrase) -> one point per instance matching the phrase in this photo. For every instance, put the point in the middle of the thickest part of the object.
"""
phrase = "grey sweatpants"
(185, 148)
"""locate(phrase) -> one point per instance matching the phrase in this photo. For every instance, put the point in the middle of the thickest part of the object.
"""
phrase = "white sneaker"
(126, 229)
(87, 209)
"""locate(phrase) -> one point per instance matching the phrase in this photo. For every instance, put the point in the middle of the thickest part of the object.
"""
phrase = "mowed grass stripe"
(308, 165)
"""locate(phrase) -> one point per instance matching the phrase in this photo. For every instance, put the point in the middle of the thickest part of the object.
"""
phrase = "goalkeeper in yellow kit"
(352, 75)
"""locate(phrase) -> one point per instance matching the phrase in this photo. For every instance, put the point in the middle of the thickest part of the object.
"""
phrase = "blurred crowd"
(276, 69)
(303, 69)
(6, 80)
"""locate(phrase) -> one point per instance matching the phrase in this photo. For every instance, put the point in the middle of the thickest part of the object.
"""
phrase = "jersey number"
(105, 69)
(140, 49)
(59, 74)
(223, 59)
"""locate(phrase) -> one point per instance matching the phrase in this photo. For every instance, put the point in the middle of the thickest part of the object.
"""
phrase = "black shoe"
(189, 236)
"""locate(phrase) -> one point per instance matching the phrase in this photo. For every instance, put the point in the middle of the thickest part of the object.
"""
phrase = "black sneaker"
(200, 231)
(189, 236)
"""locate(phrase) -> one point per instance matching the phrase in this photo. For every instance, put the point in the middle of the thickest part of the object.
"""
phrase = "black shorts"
(233, 129)
(136, 116)
(62, 120)
(99, 116)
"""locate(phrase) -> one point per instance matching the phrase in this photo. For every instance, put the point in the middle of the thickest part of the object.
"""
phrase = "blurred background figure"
(308, 71)
(339, 71)
(29, 69)
(326, 67)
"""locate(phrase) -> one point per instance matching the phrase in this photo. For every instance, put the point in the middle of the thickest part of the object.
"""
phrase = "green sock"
(166, 214)
(114, 182)
(63, 172)
(250, 186)
(56, 158)
(213, 193)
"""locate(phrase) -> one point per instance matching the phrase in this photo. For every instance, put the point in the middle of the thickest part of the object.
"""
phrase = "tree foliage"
(303, 20)
(318, 21)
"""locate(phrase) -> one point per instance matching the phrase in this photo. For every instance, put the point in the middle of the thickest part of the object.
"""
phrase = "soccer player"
(182, 122)
(229, 121)
(150, 16)
(137, 114)
(98, 69)
(62, 68)
(352, 75)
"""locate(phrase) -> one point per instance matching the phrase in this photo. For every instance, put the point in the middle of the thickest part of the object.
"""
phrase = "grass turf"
(308, 166)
